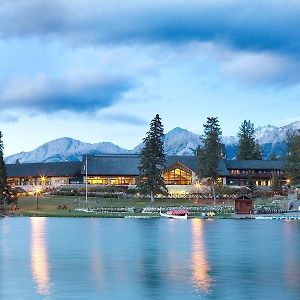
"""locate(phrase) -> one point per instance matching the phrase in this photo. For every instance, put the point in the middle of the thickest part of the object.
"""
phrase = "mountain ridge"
(178, 141)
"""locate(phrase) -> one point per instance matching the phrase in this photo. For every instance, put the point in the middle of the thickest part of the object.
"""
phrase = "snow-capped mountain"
(178, 141)
(273, 135)
(65, 149)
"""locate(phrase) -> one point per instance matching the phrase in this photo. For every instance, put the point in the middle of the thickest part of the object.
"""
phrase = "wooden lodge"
(122, 170)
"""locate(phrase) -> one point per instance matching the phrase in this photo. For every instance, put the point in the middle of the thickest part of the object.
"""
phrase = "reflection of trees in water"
(200, 267)
(4, 251)
(292, 258)
(150, 260)
(39, 256)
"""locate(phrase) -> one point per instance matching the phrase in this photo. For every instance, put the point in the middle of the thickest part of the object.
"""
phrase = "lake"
(90, 258)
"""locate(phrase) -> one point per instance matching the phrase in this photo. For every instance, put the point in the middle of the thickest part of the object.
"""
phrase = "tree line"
(209, 155)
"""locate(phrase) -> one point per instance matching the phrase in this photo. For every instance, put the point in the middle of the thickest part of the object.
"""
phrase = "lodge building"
(122, 170)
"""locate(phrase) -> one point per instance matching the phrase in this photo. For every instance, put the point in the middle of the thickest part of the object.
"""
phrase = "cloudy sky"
(98, 70)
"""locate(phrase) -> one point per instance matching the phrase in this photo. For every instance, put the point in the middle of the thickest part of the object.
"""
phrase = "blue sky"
(100, 71)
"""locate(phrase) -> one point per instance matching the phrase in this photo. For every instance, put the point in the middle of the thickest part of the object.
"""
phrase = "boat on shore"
(181, 214)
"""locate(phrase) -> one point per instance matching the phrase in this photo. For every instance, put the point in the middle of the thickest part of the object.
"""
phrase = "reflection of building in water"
(200, 266)
(292, 264)
(39, 256)
(97, 267)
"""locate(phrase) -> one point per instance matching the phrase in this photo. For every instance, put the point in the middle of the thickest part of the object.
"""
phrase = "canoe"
(175, 215)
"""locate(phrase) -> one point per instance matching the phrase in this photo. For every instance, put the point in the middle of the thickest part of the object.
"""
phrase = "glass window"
(177, 176)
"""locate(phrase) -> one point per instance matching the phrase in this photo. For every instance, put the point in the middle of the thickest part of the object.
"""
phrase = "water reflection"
(292, 272)
(200, 267)
(97, 267)
(39, 256)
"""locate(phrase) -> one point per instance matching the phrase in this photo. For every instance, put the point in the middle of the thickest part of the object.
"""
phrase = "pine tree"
(246, 140)
(153, 161)
(251, 182)
(257, 152)
(292, 166)
(276, 184)
(209, 155)
(273, 156)
(3, 177)
(248, 149)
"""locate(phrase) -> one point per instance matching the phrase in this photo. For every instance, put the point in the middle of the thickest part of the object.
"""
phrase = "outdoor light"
(37, 191)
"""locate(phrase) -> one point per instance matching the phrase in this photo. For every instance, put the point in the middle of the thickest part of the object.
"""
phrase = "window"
(97, 180)
(180, 175)
(121, 180)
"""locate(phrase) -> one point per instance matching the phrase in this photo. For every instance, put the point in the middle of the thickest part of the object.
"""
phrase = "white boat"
(175, 214)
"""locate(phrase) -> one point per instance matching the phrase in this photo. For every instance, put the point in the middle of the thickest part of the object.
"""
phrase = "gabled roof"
(60, 169)
(255, 164)
(127, 164)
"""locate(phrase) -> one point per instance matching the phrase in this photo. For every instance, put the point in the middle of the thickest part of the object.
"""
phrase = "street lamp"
(37, 191)
(198, 187)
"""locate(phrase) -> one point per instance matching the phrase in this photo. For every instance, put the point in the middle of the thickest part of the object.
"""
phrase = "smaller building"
(46, 175)
(261, 172)
(244, 205)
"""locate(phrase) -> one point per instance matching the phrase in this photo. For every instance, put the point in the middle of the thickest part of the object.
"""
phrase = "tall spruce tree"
(276, 184)
(292, 166)
(209, 155)
(153, 161)
(247, 148)
(273, 156)
(3, 181)
(257, 152)
(250, 183)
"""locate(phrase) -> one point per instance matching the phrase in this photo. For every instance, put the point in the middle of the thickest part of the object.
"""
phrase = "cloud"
(8, 118)
(250, 25)
(261, 68)
(258, 35)
(123, 118)
(73, 93)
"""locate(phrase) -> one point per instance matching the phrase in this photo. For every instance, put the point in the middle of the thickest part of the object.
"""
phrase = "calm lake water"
(64, 258)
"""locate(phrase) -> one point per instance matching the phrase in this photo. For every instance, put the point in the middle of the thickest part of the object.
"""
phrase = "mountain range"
(178, 141)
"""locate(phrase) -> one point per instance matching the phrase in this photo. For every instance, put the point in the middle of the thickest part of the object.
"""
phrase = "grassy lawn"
(48, 205)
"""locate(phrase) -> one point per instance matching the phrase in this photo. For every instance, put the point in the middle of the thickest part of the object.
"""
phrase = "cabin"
(243, 205)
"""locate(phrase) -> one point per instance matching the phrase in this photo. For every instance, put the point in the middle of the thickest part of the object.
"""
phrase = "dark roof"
(255, 164)
(127, 165)
(44, 169)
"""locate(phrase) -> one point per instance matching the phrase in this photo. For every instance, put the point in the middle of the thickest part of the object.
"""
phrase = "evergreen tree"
(209, 155)
(251, 182)
(153, 161)
(292, 166)
(273, 156)
(257, 152)
(3, 178)
(276, 184)
(247, 148)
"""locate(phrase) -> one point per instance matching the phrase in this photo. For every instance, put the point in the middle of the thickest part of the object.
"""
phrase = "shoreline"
(284, 216)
